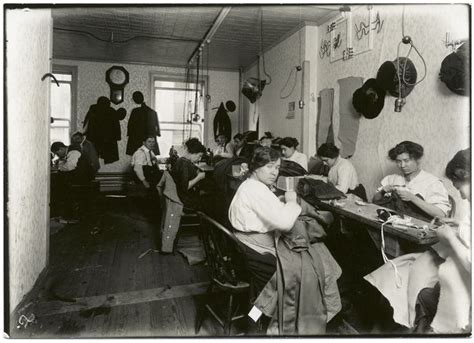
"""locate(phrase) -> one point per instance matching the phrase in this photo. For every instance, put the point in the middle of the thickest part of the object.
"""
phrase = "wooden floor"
(101, 284)
(107, 281)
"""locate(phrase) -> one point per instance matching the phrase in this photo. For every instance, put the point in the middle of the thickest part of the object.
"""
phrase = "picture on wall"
(362, 33)
(341, 38)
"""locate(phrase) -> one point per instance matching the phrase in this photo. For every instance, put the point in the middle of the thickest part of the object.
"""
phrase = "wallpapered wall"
(433, 116)
(285, 87)
(28, 48)
(91, 84)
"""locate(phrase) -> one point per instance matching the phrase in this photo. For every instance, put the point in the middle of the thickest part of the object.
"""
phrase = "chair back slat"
(222, 250)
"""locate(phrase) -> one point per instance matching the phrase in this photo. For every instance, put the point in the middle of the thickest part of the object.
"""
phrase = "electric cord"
(398, 278)
(261, 48)
(286, 83)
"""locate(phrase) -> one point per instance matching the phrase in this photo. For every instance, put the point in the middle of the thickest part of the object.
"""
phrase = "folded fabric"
(318, 189)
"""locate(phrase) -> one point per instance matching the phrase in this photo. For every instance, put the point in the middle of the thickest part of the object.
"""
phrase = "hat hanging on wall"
(387, 76)
(369, 99)
(230, 106)
(455, 70)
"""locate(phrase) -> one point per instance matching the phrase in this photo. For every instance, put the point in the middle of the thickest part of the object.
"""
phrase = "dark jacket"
(302, 296)
(222, 124)
(143, 121)
(103, 130)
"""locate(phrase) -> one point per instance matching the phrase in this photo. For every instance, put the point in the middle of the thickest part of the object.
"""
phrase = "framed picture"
(325, 45)
(362, 32)
(341, 37)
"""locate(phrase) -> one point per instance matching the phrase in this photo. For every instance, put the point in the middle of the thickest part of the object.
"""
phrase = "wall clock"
(117, 77)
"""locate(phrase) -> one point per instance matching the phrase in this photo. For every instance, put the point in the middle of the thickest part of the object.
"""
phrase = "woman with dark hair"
(288, 149)
(256, 213)
(423, 192)
(265, 225)
(431, 291)
(342, 173)
(186, 174)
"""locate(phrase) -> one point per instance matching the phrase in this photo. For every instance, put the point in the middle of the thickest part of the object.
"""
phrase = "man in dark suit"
(88, 151)
(143, 121)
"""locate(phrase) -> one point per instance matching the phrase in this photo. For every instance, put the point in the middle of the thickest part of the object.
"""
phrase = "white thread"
(398, 278)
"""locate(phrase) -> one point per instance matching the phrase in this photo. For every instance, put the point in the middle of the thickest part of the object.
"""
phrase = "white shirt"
(70, 163)
(343, 175)
(219, 150)
(299, 158)
(425, 184)
(255, 209)
(140, 158)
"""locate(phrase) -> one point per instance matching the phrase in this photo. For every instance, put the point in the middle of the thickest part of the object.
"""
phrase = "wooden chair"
(220, 246)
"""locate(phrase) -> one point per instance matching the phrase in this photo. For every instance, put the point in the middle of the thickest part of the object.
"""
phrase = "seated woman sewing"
(423, 195)
(187, 176)
(431, 291)
(267, 225)
(342, 173)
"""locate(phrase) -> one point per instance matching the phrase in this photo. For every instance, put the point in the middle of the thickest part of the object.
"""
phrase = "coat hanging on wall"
(143, 121)
(348, 117)
(222, 123)
(324, 125)
(102, 128)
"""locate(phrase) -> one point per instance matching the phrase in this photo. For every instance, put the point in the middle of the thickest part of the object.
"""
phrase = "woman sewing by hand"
(263, 223)
(423, 193)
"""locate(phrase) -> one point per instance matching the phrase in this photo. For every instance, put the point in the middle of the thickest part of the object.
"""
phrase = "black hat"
(388, 80)
(455, 71)
(230, 106)
(369, 99)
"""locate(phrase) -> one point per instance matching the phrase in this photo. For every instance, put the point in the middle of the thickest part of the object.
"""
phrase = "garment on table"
(184, 171)
(302, 296)
(348, 117)
(428, 186)
(418, 271)
(143, 121)
(171, 209)
(299, 158)
(255, 211)
(222, 123)
(103, 130)
(324, 126)
(343, 175)
(291, 168)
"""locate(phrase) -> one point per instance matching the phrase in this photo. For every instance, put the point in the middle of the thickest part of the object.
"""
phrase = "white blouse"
(425, 184)
(299, 158)
(343, 175)
(255, 209)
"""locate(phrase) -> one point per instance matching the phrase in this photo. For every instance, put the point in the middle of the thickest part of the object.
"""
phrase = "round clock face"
(117, 76)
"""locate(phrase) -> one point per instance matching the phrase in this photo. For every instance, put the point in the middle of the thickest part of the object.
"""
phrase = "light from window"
(174, 102)
(61, 100)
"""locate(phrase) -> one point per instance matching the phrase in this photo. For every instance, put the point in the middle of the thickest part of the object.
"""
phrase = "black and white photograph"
(237, 169)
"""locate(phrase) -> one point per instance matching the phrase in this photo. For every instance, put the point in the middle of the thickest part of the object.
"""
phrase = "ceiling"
(168, 35)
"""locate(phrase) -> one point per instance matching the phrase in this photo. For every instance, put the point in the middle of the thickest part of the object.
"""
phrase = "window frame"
(72, 70)
(178, 77)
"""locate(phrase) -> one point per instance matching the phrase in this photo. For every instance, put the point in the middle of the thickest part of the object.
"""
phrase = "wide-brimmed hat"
(369, 99)
(387, 76)
(455, 70)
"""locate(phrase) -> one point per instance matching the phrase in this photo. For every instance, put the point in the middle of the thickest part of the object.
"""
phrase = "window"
(174, 101)
(63, 105)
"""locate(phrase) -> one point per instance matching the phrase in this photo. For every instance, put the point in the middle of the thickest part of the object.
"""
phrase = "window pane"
(172, 104)
(62, 77)
(174, 84)
(61, 101)
(59, 135)
(172, 134)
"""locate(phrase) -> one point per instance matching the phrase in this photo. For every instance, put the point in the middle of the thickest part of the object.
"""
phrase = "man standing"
(144, 164)
(143, 122)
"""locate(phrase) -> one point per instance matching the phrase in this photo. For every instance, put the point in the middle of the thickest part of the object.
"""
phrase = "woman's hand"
(446, 234)
(404, 194)
(388, 188)
(290, 196)
(200, 176)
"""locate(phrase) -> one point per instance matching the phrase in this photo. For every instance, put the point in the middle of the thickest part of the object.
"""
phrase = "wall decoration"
(325, 45)
(365, 25)
(341, 45)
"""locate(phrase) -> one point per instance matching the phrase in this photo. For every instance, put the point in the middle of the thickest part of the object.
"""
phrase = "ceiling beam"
(210, 33)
